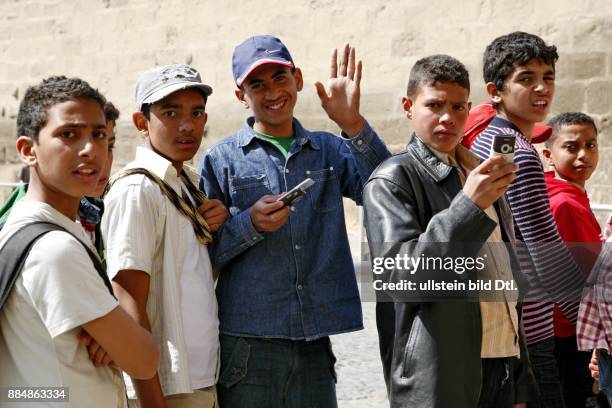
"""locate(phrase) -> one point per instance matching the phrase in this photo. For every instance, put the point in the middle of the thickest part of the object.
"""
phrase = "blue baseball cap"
(257, 51)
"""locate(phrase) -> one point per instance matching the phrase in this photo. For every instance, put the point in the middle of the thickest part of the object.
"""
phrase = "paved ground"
(360, 379)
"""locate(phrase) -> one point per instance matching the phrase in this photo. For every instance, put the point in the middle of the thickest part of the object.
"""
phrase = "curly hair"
(111, 113)
(437, 68)
(568, 119)
(517, 48)
(39, 98)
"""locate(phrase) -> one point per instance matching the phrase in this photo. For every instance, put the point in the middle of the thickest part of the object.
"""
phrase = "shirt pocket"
(246, 190)
(325, 194)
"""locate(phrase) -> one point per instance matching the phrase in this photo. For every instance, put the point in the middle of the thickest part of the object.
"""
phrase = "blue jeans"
(546, 372)
(605, 374)
(263, 372)
(497, 390)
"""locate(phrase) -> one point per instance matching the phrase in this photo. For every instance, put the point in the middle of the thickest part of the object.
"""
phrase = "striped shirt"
(548, 265)
(594, 328)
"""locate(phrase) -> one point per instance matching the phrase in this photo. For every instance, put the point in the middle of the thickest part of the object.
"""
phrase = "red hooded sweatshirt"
(576, 224)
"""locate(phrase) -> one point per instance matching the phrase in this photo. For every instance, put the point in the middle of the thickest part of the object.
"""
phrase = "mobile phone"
(296, 192)
(503, 145)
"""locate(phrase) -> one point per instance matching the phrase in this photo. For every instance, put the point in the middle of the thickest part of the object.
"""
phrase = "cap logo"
(171, 73)
(272, 51)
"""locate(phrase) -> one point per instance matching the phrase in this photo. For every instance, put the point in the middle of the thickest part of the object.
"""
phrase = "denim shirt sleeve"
(237, 233)
(358, 157)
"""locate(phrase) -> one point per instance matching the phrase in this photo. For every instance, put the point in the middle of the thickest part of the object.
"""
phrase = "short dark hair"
(517, 48)
(111, 113)
(568, 119)
(32, 115)
(146, 110)
(437, 68)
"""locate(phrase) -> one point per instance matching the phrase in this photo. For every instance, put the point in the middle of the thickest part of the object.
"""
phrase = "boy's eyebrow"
(171, 106)
(80, 125)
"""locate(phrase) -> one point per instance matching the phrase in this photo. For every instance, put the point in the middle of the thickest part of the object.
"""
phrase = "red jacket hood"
(556, 186)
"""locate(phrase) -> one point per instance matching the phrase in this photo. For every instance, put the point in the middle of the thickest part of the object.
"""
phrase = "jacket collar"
(433, 164)
(301, 136)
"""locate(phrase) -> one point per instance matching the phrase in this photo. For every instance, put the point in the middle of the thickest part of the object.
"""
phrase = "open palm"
(340, 96)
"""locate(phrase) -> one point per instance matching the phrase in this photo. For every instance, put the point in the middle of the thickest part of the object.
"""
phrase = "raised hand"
(340, 97)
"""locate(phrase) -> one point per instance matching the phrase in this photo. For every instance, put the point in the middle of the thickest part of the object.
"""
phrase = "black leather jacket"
(431, 350)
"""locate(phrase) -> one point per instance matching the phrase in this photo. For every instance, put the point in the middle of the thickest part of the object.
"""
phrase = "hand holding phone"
(296, 192)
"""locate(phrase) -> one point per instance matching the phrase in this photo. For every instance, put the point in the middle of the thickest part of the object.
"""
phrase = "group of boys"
(438, 192)
(285, 275)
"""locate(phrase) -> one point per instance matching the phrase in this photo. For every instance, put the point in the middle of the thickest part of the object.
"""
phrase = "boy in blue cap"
(287, 280)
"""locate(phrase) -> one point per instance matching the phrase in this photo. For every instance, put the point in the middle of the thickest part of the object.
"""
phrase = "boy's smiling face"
(574, 153)
(70, 153)
(439, 112)
(527, 94)
(271, 92)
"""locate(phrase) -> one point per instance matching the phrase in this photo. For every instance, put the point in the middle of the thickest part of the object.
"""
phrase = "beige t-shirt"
(57, 291)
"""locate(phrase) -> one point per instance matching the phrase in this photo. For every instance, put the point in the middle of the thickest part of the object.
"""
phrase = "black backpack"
(16, 249)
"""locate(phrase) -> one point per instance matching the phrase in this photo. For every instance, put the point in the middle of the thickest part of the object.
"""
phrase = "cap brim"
(258, 63)
(170, 89)
(541, 133)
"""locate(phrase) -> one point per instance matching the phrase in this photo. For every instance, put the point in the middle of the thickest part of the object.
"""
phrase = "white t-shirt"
(57, 291)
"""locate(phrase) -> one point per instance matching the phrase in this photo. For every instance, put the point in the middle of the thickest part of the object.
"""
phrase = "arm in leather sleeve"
(394, 227)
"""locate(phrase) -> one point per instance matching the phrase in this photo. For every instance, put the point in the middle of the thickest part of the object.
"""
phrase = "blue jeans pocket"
(234, 361)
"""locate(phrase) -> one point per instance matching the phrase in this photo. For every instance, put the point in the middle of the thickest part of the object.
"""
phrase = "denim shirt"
(299, 281)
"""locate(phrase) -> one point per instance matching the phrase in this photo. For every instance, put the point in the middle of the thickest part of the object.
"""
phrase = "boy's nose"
(446, 118)
(186, 125)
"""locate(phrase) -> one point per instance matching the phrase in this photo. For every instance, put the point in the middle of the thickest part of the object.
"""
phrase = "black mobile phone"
(296, 192)
(503, 145)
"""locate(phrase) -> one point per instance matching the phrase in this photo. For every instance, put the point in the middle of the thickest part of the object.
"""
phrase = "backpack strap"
(15, 251)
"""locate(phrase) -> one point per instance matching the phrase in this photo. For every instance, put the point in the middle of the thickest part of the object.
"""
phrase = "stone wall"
(109, 42)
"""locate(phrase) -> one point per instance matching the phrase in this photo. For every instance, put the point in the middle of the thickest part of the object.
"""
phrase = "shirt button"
(299, 287)
(298, 247)
(292, 208)
(359, 142)
(254, 238)
(287, 171)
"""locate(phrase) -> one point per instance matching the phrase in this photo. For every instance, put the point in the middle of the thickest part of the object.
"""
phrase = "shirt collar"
(301, 136)
(504, 123)
(30, 210)
(438, 163)
(158, 165)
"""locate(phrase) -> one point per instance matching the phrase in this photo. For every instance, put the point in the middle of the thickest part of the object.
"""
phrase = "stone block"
(406, 44)
(587, 65)
(569, 96)
(599, 96)
(593, 34)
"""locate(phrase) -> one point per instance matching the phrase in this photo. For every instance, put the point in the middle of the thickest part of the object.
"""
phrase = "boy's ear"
(299, 81)
(494, 94)
(240, 95)
(407, 104)
(547, 155)
(27, 152)
(141, 123)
